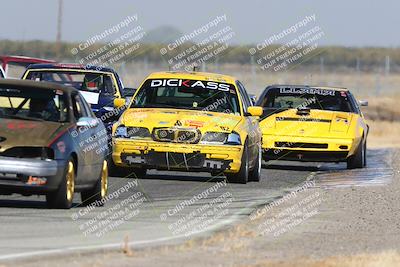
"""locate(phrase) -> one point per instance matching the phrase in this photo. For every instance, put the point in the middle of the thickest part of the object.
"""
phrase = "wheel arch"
(74, 157)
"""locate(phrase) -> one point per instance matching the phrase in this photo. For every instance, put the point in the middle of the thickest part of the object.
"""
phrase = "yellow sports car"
(307, 123)
(190, 122)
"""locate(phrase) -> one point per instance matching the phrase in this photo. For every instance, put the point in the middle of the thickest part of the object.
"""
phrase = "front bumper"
(177, 156)
(16, 175)
(301, 148)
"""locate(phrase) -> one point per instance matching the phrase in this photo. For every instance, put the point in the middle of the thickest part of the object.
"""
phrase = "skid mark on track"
(379, 171)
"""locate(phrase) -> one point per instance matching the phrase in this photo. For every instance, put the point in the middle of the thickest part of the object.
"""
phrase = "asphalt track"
(164, 207)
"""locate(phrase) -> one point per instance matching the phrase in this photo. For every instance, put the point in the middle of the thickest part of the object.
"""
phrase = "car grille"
(300, 145)
(138, 132)
(175, 160)
(177, 135)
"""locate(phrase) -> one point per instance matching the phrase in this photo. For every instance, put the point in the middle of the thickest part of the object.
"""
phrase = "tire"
(255, 173)
(63, 197)
(117, 171)
(99, 191)
(359, 158)
(365, 154)
(242, 176)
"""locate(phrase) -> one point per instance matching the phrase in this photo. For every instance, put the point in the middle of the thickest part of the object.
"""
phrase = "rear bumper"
(173, 156)
(22, 175)
(307, 148)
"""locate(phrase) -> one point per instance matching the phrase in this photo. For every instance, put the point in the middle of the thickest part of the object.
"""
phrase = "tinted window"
(78, 107)
(33, 104)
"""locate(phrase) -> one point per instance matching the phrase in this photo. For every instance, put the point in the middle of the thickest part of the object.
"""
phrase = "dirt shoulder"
(313, 226)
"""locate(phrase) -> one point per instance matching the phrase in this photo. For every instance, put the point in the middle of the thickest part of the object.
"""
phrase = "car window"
(78, 107)
(94, 82)
(88, 110)
(354, 103)
(16, 69)
(245, 97)
(27, 103)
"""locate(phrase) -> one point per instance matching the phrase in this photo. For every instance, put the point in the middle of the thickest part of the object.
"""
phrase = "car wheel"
(365, 154)
(242, 176)
(99, 191)
(357, 160)
(63, 197)
(255, 174)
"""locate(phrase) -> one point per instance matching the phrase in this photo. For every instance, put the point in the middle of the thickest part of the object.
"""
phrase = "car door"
(254, 135)
(99, 138)
(83, 138)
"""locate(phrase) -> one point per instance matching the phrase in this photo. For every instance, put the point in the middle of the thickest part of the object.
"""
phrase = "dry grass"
(383, 109)
(384, 134)
(383, 117)
(384, 259)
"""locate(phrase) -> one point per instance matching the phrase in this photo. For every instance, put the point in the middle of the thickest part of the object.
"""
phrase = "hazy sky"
(349, 23)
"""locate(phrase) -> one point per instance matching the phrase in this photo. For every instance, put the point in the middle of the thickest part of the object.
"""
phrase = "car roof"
(203, 76)
(37, 84)
(25, 59)
(307, 86)
(70, 66)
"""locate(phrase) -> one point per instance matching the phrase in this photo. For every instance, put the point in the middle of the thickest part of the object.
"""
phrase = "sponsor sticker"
(310, 91)
(190, 84)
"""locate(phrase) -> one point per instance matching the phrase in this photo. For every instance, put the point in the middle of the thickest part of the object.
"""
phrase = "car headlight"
(221, 138)
(233, 139)
(138, 132)
(214, 138)
(121, 131)
(132, 132)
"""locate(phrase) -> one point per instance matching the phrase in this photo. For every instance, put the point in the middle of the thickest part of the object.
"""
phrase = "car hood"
(159, 118)
(15, 132)
(316, 124)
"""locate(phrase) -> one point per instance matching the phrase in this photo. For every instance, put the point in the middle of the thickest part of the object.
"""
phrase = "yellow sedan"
(189, 122)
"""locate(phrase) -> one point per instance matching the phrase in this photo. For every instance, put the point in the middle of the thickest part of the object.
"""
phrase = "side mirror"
(255, 111)
(363, 103)
(129, 92)
(119, 102)
(87, 122)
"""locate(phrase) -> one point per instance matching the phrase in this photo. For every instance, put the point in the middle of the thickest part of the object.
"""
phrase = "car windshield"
(16, 69)
(32, 104)
(187, 94)
(312, 98)
(94, 82)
